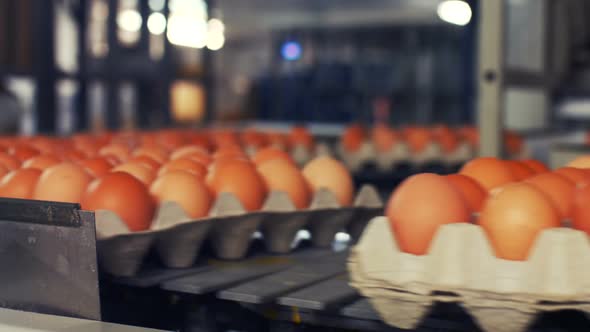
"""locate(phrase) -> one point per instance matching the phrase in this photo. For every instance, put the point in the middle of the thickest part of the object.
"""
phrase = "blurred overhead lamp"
(156, 23)
(291, 51)
(129, 20)
(215, 34)
(215, 41)
(216, 24)
(455, 12)
(187, 30)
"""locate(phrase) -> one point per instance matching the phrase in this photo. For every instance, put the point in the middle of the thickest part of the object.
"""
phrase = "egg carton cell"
(461, 267)
(229, 228)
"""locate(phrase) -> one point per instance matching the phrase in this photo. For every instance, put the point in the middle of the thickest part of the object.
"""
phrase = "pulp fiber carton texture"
(461, 267)
(177, 239)
(400, 153)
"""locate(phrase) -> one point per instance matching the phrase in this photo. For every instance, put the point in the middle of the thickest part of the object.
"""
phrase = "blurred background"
(86, 65)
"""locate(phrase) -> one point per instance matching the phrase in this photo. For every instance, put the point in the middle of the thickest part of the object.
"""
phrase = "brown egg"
(120, 151)
(187, 151)
(97, 166)
(158, 154)
(9, 161)
(65, 182)
(41, 162)
(301, 136)
(145, 160)
(140, 171)
(241, 179)
(3, 171)
(329, 173)
(184, 164)
(282, 175)
(20, 183)
(124, 195)
(229, 151)
(73, 155)
(23, 152)
(271, 153)
(186, 189)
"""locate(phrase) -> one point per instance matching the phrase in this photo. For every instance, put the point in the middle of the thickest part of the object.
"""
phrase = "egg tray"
(177, 239)
(401, 154)
(461, 267)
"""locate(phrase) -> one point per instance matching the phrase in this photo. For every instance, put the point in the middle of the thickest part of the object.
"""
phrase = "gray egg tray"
(177, 239)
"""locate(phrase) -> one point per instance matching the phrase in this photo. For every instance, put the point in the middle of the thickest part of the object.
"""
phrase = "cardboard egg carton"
(461, 267)
(400, 153)
(177, 239)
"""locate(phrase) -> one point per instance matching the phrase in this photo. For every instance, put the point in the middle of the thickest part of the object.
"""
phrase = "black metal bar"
(48, 268)
(168, 72)
(82, 98)
(112, 111)
(44, 66)
(40, 212)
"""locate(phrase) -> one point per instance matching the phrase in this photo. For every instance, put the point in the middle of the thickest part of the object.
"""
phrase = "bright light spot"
(215, 41)
(156, 23)
(455, 12)
(342, 237)
(197, 8)
(291, 51)
(216, 25)
(156, 5)
(187, 30)
(129, 20)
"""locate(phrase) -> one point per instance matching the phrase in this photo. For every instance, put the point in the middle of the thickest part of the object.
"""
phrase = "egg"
(140, 171)
(514, 216)
(124, 195)
(158, 154)
(72, 155)
(187, 165)
(23, 152)
(41, 162)
(239, 178)
(473, 193)
(9, 161)
(446, 138)
(147, 161)
(301, 136)
(559, 189)
(520, 171)
(232, 151)
(170, 139)
(513, 143)
(581, 209)
(64, 182)
(579, 176)
(187, 151)
(488, 172)
(352, 138)
(97, 166)
(120, 151)
(580, 162)
(419, 206)
(253, 138)
(282, 175)
(271, 153)
(3, 171)
(279, 140)
(331, 174)
(19, 183)
(418, 139)
(535, 165)
(186, 189)
(383, 138)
